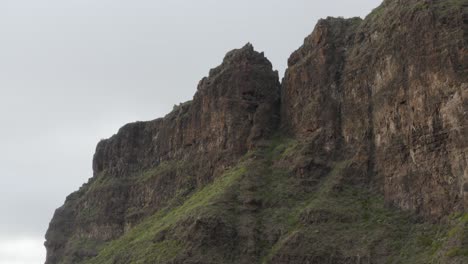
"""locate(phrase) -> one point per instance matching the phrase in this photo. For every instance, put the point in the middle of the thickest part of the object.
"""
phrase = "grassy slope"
(329, 218)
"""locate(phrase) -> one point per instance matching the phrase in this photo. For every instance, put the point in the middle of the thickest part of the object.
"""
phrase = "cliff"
(358, 156)
(390, 92)
(146, 164)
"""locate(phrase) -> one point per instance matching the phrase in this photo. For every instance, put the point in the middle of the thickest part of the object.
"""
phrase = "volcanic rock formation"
(359, 156)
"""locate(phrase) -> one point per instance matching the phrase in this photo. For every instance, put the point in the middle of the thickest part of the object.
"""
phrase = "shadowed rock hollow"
(359, 156)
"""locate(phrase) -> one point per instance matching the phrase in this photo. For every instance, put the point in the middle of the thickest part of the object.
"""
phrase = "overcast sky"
(73, 71)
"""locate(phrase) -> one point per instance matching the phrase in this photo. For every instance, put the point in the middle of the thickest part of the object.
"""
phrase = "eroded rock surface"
(233, 109)
(390, 92)
(371, 112)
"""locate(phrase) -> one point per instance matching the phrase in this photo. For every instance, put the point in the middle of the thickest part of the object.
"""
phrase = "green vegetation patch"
(138, 244)
(263, 206)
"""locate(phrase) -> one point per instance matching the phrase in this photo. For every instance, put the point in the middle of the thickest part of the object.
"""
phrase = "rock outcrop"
(359, 156)
(234, 108)
(390, 91)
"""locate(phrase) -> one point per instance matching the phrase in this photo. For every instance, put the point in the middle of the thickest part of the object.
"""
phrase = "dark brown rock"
(233, 108)
(375, 106)
(391, 93)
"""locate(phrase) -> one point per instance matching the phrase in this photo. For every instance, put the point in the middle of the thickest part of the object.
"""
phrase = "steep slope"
(391, 92)
(360, 158)
(146, 164)
(266, 210)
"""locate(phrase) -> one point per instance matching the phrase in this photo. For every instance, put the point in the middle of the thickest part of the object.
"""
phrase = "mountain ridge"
(357, 156)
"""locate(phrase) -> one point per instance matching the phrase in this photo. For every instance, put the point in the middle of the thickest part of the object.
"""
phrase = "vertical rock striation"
(233, 108)
(253, 171)
(391, 93)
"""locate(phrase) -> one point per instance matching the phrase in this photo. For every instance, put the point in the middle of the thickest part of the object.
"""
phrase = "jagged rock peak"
(233, 109)
(325, 33)
(243, 89)
(246, 52)
(247, 55)
(372, 111)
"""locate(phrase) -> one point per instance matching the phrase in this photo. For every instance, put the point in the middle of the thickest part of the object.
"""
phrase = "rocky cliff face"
(137, 171)
(233, 108)
(359, 156)
(391, 90)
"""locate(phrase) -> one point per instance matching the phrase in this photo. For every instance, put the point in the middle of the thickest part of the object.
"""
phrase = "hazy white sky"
(74, 71)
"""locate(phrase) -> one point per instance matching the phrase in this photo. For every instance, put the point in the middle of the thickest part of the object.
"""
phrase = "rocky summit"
(359, 155)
